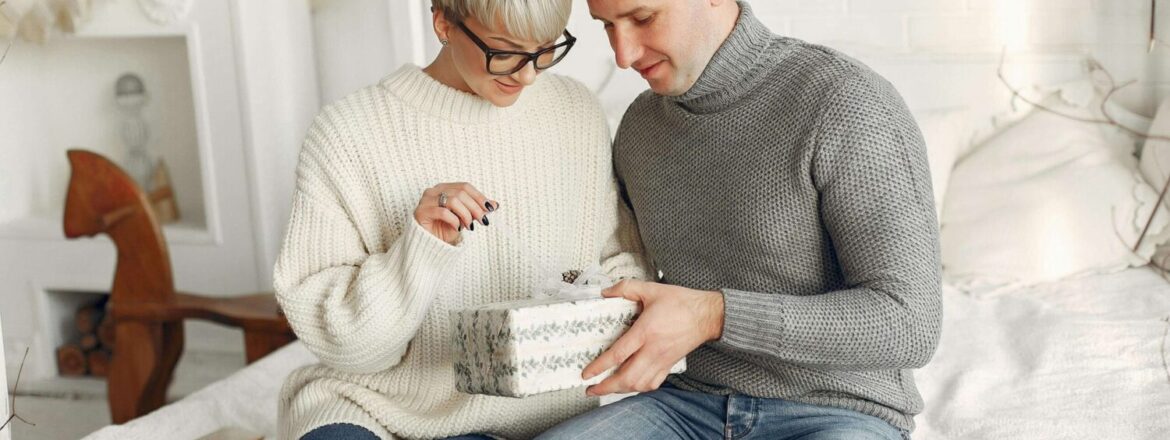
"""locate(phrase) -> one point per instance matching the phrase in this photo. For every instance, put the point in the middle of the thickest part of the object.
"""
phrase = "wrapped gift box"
(526, 347)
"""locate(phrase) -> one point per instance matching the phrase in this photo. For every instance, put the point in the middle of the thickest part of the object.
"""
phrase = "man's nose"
(626, 48)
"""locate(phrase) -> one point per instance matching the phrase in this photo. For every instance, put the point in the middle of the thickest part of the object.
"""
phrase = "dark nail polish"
(472, 226)
(484, 220)
(489, 206)
(460, 228)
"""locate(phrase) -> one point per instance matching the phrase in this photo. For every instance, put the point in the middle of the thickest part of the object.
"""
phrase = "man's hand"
(674, 321)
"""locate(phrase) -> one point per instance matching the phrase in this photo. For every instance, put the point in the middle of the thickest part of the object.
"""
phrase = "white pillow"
(1155, 162)
(1155, 166)
(1046, 198)
(947, 133)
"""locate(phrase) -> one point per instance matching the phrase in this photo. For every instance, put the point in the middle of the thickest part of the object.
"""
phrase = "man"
(782, 191)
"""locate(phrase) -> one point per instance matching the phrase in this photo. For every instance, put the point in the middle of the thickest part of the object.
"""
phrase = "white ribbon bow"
(588, 285)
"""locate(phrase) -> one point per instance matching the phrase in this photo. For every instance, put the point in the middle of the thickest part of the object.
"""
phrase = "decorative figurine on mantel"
(130, 95)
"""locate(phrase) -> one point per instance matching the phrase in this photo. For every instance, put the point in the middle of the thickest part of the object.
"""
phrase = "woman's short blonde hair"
(535, 20)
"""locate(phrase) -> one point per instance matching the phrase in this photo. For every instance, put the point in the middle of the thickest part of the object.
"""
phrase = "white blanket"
(246, 399)
(1077, 359)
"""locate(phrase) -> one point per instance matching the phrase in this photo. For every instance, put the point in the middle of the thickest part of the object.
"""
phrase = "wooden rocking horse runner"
(146, 310)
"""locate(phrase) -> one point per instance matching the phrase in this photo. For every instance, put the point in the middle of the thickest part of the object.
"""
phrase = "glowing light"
(1012, 24)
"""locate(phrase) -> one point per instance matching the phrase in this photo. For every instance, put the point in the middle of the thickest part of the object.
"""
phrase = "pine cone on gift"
(570, 276)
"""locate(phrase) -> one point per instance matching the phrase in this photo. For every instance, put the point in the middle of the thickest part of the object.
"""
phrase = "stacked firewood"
(90, 354)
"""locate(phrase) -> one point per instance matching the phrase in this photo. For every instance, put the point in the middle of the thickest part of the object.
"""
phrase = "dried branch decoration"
(1153, 24)
(1113, 87)
(10, 40)
(12, 403)
(1165, 337)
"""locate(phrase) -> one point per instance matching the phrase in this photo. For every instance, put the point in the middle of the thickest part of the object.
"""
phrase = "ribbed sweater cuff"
(624, 266)
(420, 264)
(421, 243)
(749, 324)
(428, 258)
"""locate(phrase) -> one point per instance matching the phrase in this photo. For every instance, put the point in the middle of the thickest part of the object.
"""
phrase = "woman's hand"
(446, 209)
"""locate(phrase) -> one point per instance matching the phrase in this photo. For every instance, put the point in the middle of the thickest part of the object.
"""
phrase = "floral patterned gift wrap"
(525, 347)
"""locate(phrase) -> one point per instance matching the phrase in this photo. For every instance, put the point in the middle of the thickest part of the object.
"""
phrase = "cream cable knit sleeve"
(622, 255)
(339, 297)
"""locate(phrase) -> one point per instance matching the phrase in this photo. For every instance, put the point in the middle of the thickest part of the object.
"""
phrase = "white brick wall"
(960, 25)
(1113, 31)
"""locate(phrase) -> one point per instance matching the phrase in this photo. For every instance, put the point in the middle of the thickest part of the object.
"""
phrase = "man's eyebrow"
(634, 11)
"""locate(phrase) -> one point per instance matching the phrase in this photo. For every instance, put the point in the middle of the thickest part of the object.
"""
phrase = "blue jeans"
(347, 431)
(671, 413)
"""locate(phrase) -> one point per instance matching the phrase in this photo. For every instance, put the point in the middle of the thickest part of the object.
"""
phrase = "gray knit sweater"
(794, 180)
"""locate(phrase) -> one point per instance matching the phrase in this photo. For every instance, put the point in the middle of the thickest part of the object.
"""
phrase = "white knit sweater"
(368, 290)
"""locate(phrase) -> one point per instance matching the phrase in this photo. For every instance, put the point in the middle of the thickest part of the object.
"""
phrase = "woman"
(438, 189)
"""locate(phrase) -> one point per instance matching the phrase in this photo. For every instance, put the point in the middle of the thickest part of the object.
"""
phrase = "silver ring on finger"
(443, 200)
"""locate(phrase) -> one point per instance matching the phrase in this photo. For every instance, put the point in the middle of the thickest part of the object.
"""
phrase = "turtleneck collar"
(735, 69)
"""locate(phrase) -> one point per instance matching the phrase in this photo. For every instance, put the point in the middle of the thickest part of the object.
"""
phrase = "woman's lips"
(508, 88)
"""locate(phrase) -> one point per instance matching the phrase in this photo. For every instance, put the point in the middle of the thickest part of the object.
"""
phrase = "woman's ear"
(441, 24)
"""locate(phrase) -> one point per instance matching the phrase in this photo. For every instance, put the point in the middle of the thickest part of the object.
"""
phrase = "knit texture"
(368, 290)
(794, 180)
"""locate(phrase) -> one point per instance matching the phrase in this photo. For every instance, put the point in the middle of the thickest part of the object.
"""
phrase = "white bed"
(1076, 359)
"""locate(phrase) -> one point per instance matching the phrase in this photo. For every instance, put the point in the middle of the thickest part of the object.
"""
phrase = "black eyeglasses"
(507, 62)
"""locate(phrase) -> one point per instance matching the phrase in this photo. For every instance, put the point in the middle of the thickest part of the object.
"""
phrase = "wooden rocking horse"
(146, 310)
